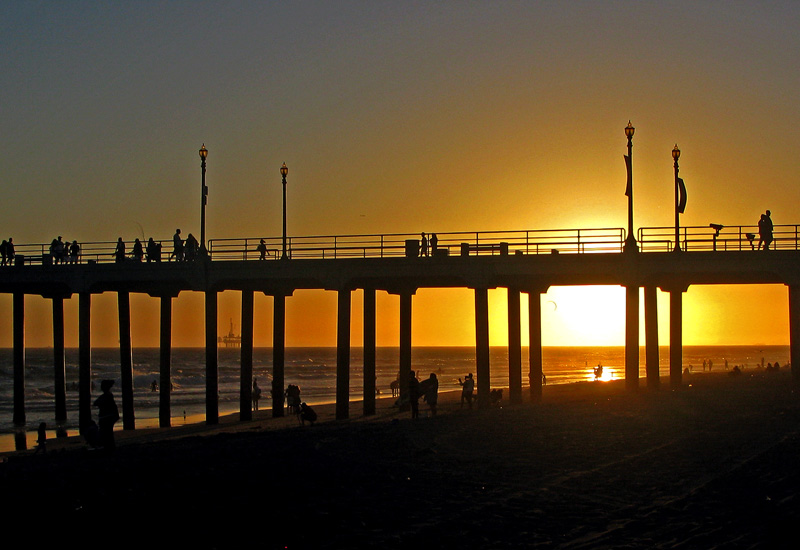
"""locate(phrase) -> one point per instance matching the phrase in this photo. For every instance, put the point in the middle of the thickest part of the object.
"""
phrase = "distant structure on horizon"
(231, 340)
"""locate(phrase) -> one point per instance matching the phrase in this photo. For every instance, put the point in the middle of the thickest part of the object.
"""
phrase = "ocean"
(314, 371)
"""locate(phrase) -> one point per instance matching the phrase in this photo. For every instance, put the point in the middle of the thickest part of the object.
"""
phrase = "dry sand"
(713, 465)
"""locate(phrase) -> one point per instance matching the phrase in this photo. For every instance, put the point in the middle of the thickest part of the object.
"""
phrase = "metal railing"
(705, 238)
(472, 243)
(547, 241)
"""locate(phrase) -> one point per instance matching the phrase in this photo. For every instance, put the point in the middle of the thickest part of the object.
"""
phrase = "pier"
(526, 263)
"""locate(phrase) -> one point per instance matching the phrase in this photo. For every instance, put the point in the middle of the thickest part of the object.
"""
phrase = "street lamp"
(284, 172)
(203, 200)
(676, 154)
(630, 241)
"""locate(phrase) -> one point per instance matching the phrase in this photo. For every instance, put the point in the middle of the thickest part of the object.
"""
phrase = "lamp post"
(203, 200)
(630, 241)
(284, 172)
(676, 154)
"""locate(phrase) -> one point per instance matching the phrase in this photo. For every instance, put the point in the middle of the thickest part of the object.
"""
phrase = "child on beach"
(307, 413)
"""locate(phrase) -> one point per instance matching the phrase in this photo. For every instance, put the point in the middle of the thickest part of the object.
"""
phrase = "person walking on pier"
(434, 244)
(151, 250)
(119, 252)
(10, 250)
(768, 227)
(4, 252)
(177, 246)
(424, 246)
(262, 250)
(107, 416)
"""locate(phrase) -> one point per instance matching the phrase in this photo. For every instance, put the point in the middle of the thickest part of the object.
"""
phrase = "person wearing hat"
(107, 415)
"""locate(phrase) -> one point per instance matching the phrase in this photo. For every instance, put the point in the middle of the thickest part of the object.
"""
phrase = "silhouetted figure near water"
(138, 251)
(119, 252)
(467, 389)
(177, 246)
(430, 392)
(307, 414)
(256, 394)
(413, 394)
(598, 372)
(41, 438)
(108, 414)
(293, 398)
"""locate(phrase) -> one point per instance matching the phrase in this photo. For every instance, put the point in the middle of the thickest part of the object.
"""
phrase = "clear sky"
(397, 117)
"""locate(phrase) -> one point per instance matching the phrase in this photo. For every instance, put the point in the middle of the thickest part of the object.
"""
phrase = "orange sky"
(398, 117)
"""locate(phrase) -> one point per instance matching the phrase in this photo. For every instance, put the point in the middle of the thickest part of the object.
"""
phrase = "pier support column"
(165, 363)
(19, 358)
(482, 345)
(343, 356)
(246, 374)
(794, 332)
(126, 359)
(514, 347)
(676, 338)
(535, 344)
(278, 353)
(369, 351)
(404, 375)
(651, 337)
(84, 359)
(212, 360)
(59, 364)
(632, 337)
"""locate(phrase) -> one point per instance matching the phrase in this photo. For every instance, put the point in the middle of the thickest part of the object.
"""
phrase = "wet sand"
(712, 465)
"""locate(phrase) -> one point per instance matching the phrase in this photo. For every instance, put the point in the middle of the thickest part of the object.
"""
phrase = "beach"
(710, 465)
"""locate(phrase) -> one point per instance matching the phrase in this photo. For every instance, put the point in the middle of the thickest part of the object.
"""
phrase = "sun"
(583, 316)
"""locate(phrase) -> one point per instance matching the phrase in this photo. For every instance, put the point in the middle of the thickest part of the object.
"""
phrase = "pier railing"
(575, 241)
(706, 237)
(471, 243)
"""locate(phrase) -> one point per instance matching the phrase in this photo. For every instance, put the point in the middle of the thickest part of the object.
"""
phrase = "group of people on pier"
(63, 252)
(182, 251)
(426, 242)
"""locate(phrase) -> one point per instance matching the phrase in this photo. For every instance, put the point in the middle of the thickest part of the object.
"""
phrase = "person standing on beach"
(413, 394)
(108, 414)
(256, 394)
(467, 389)
(432, 393)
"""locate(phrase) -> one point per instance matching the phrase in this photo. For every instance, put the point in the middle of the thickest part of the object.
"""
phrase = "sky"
(397, 117)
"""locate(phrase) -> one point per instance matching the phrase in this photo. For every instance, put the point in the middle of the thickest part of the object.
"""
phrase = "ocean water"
(314, 371)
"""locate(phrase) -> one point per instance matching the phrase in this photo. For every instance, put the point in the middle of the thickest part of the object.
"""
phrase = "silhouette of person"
(307, 414)
(138, 250)
(119, 252)
(74, 252)
(256, 394)
(151, 250)
(768, 227)
(177, 246)
(413, 394)
(434, 244)
(262, 250)
(10, 250)
(108, 414)
(432, 393)
(190, 248)
(467, 388)
(424, 246)
(41, 438)
(4, 252)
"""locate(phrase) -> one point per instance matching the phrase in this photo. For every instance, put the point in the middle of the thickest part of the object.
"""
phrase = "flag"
(629, 188)
(681, 195)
